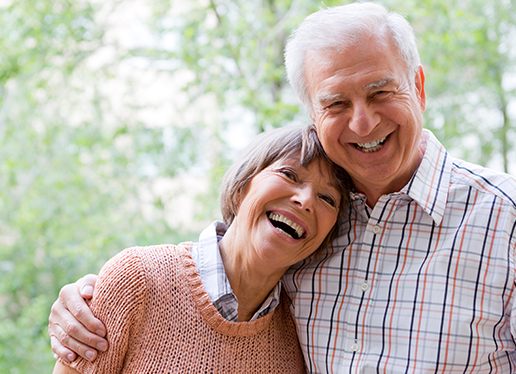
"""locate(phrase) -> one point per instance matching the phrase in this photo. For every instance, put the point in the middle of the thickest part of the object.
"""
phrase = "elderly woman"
(166, 311)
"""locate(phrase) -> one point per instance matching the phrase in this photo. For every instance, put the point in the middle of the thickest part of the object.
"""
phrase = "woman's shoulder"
(163, 257)
(135, 267)
(134, 257)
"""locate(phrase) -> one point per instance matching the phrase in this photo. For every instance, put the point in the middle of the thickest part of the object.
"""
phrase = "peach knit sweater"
(160, 319)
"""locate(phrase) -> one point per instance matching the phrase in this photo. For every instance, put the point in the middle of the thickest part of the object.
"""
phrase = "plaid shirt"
(207, 258)
(422, 283)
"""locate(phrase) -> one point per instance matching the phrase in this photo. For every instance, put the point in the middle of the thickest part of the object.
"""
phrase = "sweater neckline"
(208, 312)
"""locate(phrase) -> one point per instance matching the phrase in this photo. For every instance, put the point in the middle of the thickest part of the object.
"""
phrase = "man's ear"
(420, 88)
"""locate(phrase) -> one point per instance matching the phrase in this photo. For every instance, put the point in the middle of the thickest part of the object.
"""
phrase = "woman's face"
(287, 211)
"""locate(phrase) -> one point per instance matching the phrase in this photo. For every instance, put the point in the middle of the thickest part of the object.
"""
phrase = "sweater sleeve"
(118, 301)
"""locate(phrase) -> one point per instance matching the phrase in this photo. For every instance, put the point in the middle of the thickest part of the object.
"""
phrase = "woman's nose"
(304, 198)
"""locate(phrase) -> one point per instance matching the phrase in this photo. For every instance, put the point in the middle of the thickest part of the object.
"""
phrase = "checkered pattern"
(422, 283)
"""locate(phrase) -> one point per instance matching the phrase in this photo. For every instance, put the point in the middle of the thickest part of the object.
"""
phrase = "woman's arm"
(61, 368)
(117, 301)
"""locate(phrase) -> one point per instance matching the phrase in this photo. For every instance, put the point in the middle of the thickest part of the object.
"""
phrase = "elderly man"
(422, 276)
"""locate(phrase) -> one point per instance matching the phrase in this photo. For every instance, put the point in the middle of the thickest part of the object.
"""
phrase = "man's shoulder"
(484, 180)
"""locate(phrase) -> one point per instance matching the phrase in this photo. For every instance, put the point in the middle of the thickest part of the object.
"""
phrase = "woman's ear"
(237, 200)
(239, 196)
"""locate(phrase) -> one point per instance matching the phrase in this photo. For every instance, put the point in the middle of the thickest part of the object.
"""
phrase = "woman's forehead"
(321, 165)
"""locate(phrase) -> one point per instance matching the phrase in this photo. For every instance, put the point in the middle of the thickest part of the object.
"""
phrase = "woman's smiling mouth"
(286, 225)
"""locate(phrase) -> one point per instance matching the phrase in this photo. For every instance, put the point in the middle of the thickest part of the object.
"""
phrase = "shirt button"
(376, 229)
(354, 347)
(364, 286)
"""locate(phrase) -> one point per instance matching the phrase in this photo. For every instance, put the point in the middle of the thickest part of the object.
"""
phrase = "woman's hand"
(72, 327)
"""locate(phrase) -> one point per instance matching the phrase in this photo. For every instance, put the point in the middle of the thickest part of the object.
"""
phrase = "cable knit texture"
(160, 319)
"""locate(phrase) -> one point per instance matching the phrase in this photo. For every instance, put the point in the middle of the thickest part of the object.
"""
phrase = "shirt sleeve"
(512, 302)
(118, 302)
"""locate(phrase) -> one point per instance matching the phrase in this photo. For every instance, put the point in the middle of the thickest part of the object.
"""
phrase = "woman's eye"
(289, 174)
(330, 200)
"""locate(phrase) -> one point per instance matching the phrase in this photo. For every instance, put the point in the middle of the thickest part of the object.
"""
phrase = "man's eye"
(381, 93)
(337, 103)
(330, 200)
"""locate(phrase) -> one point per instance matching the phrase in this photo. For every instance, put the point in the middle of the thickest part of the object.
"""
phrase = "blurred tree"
(79, 166)
(235, 50)
(467, 49)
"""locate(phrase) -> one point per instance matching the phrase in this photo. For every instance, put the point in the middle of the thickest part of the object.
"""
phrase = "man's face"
(367, 113)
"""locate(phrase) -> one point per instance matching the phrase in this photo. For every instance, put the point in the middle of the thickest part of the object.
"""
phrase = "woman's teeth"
(284, 224)
(371, 146)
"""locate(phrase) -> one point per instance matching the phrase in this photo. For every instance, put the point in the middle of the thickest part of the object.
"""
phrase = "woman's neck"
(250, 278)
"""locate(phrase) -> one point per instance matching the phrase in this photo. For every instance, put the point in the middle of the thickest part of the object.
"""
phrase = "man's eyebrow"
(324, 98)
(381, 83)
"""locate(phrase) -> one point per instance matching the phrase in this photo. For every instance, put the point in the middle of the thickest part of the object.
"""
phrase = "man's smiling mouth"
(285, 225)
(371, 146)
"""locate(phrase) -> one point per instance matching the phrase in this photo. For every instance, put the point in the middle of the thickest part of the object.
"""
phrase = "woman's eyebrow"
(334, 187)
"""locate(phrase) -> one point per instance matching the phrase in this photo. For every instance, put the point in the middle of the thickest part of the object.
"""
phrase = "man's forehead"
(381, 42)
(324, 58)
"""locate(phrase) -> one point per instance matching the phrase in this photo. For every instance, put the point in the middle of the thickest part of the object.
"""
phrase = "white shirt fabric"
(209, 263)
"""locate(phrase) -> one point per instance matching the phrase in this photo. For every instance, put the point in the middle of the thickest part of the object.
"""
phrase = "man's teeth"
(297, 230)
(371, 146)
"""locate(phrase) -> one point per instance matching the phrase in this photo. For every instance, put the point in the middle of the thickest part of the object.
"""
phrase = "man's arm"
(73, 328)
(60, 368)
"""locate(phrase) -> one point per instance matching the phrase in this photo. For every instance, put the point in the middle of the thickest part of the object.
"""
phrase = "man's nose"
(364, 119)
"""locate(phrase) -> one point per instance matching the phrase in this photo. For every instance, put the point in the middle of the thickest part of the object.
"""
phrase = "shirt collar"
(206, 255)
(430, 183)
(209, 262)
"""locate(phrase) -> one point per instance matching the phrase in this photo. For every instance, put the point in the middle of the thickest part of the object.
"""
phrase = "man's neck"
(374, 191)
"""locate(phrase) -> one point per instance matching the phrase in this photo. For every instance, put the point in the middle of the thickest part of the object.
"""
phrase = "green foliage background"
(102, 117)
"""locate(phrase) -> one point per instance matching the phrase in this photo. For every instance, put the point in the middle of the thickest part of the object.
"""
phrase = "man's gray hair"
(335, 28)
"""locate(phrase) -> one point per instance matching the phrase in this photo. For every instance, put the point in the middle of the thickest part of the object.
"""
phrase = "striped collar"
(430, 184)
